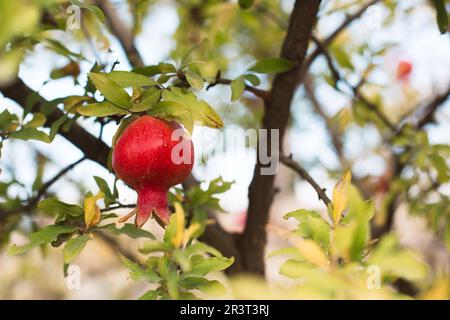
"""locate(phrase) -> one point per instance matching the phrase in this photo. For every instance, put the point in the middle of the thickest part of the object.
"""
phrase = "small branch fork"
(260, 93)
(32, 202)
(289, 162)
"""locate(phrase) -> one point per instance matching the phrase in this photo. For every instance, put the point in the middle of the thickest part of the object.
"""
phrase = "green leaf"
(237, 88)
(58, 47)
(245, 4)
(311, 226)
(441, 15)
(150, 295)
(205, 266)
(103, 186)
(342, 57)
(252, 78)
(30, 134)
(272, 65)
(200, 110)
(171, 110)
(56, 125)
(38, 120)
(43, 236)
(101, 109)
(290, 251)
(172, 284)
(74, 246)
(154, 246)
(130, 230)
(152, 70)
(194, 79)
(96, 11)
(210, 287)
(147, 100)
(138, 273)
(110, 90)
(171, 230)
(8, 121)
(295, 269)
(127, 79)
(440, 165)
(394, 261)
(58, 208)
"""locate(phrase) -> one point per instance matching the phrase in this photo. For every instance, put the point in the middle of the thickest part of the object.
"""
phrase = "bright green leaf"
(272, 65)
(45, 235)
(74, 246)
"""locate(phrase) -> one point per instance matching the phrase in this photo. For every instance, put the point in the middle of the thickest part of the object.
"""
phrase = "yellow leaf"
(179, 235)
(191, 231)
(91, 210)
(340, 196)
(312, 252)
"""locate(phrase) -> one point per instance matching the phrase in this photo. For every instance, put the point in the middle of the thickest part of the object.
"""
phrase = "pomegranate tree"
(151, 155)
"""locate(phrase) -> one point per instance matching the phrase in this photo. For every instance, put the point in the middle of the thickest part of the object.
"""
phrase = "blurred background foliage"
(372, 97)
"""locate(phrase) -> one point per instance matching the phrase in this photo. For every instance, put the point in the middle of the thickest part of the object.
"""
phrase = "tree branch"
(122, 32)
(94, 149)
(328, 40)
(277, 111)
(287, 161)
(260, 93)
(356, 89)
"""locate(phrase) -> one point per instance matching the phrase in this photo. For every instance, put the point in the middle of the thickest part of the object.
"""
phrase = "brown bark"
(277, 111)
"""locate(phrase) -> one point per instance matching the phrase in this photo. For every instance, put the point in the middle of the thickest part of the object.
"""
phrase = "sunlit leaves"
(53, 206)
(237, 88)
(74, 246)
(37, 121)
(43, 236)
(101, 109)
(202, 266)
(194, 79)
(30, 134)
(109, 196)
(311, 226)
(340, 196)
(202, 113)
(147, 99)
(91, 210)
(272, 65)
(128, 229)
(137, 272)
(397, 262)
(178, 237)
(110, 90)
(126, 79)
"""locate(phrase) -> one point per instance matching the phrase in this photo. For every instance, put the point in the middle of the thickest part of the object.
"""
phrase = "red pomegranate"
(404, 69)
(151, 155)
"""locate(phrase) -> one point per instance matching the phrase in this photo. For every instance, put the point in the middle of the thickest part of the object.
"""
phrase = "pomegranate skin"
(142, 158)
(404, 69)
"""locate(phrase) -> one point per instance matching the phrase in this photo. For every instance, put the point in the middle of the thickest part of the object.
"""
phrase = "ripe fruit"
(404, 70)
(151, 155)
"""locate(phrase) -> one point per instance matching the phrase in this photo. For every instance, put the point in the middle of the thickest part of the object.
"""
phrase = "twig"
(328, 40)
(355, 89)
(123, 34)
(263, 94)
(32, 202)
(287, 161)
(331, 128)
(119, 206)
